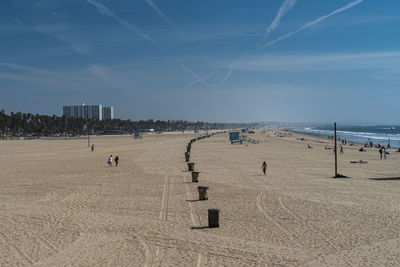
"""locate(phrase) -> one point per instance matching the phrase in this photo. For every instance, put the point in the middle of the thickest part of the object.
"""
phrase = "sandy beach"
(61, 205)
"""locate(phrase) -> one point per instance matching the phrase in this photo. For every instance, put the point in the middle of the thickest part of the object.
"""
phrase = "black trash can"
(190, 166)
(202, 192)
(213, 218)
(195, 177)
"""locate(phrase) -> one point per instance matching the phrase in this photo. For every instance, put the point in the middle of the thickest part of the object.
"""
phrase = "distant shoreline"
(323, 137)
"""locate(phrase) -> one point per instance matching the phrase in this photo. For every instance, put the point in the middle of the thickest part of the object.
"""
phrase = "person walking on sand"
(385, 153)
(341, 149)
(92, 147)
(380, 151)
(116, 161)
(264, 167)
(110, 160)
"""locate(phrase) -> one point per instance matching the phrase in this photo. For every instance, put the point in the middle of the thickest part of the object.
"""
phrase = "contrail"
(162, 15)
(198, 78)
(38, 71)
(29, 69)
(285, 8)
(107, 12)
(312, 23)
(231, 67)
(202, 78)
(228, 74)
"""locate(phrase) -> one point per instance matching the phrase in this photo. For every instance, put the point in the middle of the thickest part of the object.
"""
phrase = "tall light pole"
(66, 128)
(336, 174)
(88, 136)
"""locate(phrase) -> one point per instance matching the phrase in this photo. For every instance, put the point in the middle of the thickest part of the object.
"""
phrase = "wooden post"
(336, 174)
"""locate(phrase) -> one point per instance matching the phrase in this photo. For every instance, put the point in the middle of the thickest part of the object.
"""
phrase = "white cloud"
(295, 62)
(98, 71)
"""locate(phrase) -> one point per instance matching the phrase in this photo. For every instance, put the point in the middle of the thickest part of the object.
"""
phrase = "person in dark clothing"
(116, 161)
(380, 151)
(92, 147)
(264, 168)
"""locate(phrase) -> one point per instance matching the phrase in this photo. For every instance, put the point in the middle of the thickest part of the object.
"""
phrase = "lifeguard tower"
(234, 137)
(237, 137)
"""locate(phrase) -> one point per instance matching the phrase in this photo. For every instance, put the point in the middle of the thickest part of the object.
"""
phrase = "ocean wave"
(358, 137)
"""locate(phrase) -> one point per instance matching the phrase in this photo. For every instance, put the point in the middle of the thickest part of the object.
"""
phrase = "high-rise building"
(108, 113)
(93, 112)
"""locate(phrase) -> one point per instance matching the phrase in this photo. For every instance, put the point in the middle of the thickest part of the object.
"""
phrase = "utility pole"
(66, 128)
(88, 136)
(336, 174)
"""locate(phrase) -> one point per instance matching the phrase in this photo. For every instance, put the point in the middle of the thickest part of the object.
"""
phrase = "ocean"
(379, 134)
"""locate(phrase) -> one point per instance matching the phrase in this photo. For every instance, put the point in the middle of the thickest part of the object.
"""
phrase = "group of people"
(369, 143)
(110, 161)
(110, 158)
(382, 150)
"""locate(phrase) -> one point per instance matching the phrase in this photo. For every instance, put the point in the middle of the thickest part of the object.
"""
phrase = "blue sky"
(209, 60)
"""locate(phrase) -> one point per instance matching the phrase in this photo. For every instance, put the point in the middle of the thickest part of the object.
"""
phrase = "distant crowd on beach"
(383, 150)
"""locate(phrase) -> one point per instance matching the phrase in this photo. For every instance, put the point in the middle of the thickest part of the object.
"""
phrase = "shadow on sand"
(386, 179)
(199, 227)
(194, 200)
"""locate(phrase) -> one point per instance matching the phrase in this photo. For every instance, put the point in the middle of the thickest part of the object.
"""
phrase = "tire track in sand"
(320, 233)
(165, 198)
(148, 252)
(201, 260)
(195, 217)
(16, 250)
(189, 193)
(37, 239)
(295, 237)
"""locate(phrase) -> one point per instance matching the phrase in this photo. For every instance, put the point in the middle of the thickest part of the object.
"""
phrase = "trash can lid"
(216, 210)
(202, 187)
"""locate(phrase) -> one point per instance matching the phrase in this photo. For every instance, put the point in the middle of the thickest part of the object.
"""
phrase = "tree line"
(27, 124)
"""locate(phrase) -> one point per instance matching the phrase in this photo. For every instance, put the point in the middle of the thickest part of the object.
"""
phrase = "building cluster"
(92, 112)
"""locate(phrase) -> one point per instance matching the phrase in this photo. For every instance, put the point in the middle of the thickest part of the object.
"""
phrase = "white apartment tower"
(92, 112)
(108, 113)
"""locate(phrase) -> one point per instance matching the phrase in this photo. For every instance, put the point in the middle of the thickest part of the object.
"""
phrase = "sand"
(61, 205)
